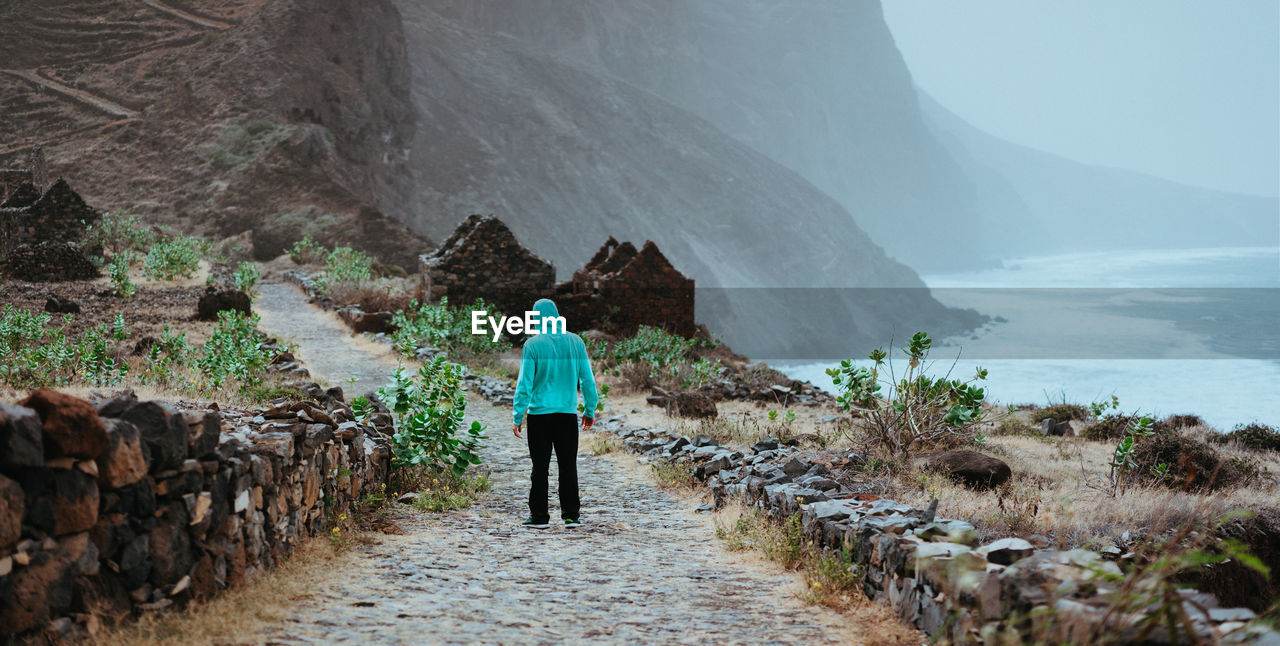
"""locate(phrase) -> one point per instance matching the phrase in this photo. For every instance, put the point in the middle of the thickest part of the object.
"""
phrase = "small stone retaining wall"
(125, 507)
(931, 571)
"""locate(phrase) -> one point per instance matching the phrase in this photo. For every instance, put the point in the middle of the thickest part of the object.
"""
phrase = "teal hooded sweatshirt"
(553, 366)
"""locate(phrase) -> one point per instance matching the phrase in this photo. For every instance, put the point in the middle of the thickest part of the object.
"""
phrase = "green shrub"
(234, 351)
(1108, 428)
(664, 357)
(246, 276)
(443, 327)
(118, 272)
(175, 257)
(33, 354)
(429, 409)
(1061, 413)
(307, 251)
(1255, 436)
(120, 232)
(921, 409)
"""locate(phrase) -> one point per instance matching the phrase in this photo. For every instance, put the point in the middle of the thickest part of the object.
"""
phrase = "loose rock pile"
(931, 571)
(129, 506)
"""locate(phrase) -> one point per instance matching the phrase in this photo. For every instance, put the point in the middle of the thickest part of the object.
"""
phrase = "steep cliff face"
(818, 86)
(568, 155)
(1077, 207)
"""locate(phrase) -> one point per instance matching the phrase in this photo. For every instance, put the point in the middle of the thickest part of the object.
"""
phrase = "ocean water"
(1165, 331)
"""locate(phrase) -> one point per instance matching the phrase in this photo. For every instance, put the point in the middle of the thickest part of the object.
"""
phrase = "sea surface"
(1165, 331)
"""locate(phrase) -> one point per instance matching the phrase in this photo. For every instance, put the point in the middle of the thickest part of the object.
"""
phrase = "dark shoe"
(572, 522)
(536, 525)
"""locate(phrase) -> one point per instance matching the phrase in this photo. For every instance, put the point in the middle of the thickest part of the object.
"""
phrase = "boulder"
(116, 406)
(1052, 427)
(70, 425)
(124, 462)
(12, 507)
(972, 469)
(371, 322)
(219, 298)
(21, 441)
(55, 304)
(163, 430)
(691, 405)
(60, 501)
(1007, 551)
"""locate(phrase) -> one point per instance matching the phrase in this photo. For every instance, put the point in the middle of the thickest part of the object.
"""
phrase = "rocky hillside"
(277, 119)
(268, 119)
(820, 87)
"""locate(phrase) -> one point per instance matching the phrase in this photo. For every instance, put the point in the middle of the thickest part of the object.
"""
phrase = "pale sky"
(1187, 90)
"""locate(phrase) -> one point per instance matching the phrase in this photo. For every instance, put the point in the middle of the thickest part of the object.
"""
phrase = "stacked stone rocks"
(483, 259)
(40, 234)
(932, 571)
(625, 288)
(128, 506)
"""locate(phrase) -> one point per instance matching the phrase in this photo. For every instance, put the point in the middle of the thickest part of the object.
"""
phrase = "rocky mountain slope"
(273, 119)
(819, 86)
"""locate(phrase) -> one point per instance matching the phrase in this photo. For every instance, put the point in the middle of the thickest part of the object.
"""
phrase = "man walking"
(554, 365)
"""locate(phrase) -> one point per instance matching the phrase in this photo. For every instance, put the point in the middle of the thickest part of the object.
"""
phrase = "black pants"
(558, 431)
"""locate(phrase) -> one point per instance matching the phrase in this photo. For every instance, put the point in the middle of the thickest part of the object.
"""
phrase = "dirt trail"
(643, 568)
(188, 16)
(79, 95)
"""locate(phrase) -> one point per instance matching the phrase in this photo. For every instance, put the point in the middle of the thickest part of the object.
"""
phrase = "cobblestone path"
(642, 569)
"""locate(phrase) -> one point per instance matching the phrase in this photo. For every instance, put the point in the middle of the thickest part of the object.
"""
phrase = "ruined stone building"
(618, 290)
(40, 230)
(482, 259)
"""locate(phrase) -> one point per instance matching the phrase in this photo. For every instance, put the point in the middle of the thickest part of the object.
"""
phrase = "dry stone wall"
(931, 571)
(123, 507)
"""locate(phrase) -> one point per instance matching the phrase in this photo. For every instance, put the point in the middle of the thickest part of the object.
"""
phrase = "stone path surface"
(320, 341)
(642, 569)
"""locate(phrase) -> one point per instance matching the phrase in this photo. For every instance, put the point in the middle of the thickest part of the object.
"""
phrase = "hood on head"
(546, 308)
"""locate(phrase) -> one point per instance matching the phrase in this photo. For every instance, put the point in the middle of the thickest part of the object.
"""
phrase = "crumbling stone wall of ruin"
(621, 289)
(483, 259)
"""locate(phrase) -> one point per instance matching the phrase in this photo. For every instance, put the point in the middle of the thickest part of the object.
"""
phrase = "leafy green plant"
(119, 232)
(118, 272)
(1100, 408)
(344, 265)
(33, 353)
(603, 390)
(307, 251)
(700, 373)
(443, 327)
(429, 409)
(246, 276)
(920, 409)
(175, 257)
(234, 351)
(1122, 460)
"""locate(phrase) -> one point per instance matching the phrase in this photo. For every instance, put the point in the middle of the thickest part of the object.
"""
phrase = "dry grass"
(829, 579)
(1057, 491)
(241, 615)
(377, 295)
